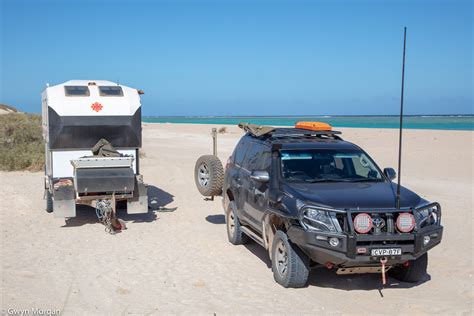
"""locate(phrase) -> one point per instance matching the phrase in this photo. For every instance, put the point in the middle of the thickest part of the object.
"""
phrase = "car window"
(328, 165)
(258, 158)
(239, 152)
(265, 160)
(338, 163)
(363, 167)
(110, 91)
(76, 91)
(252, 161)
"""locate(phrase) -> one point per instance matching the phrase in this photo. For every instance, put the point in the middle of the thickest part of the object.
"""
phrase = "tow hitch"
(383, 261)
(105, 211)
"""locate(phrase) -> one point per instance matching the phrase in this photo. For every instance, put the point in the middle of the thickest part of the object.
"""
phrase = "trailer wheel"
(209, 175)
(49, 202)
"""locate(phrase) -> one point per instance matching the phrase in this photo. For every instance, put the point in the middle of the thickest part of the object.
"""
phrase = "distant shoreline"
(426, 122)
(291, 116)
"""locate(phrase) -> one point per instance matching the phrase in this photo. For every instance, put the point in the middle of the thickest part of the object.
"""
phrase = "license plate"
(386, 252)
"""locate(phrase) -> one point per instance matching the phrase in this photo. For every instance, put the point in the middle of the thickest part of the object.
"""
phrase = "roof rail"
(280, 133)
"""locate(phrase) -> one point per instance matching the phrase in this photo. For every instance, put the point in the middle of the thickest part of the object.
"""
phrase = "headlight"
(320, 220)
(363, 223)
(428, 216)
(405, 222)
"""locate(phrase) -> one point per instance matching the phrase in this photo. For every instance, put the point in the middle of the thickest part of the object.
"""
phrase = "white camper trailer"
(77, 114)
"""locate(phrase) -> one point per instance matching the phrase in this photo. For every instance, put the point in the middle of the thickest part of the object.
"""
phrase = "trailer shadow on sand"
(158, 200)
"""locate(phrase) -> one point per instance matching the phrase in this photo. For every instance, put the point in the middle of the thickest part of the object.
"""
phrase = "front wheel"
(289, 264)
(414, 272)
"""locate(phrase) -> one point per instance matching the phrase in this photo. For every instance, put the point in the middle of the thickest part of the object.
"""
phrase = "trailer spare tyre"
(209, 175)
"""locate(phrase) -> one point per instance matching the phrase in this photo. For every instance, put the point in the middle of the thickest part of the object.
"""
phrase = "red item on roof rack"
(314, 126)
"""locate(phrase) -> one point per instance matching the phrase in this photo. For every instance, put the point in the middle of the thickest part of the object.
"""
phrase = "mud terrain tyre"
(415, 272)
(49, 202)
(289, 264)
(209, 175)
(232, 223)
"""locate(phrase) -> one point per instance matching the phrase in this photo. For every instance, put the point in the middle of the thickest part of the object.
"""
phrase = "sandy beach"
(182, 263)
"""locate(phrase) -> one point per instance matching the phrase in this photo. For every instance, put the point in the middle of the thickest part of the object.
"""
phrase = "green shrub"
(21, 142)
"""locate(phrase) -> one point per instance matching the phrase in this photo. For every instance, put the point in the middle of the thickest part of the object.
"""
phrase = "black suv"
(309, 197)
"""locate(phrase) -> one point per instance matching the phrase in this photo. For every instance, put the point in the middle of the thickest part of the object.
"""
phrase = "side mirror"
(390, 173)
(260, 176)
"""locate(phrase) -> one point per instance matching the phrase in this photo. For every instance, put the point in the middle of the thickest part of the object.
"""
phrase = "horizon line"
(313, 115)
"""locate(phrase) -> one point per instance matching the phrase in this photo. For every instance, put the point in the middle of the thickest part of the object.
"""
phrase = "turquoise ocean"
(436, 122)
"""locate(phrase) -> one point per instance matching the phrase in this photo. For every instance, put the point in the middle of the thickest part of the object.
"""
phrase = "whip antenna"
(401, 120)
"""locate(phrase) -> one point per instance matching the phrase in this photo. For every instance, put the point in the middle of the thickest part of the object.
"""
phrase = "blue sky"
(245, 57)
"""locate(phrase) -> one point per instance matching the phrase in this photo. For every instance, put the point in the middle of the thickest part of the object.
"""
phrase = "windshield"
(328, 166)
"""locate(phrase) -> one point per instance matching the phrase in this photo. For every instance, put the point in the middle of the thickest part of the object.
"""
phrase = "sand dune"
(181, 261)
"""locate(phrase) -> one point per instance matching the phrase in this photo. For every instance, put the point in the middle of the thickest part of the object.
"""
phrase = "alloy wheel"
(204, 175)
(281, 257)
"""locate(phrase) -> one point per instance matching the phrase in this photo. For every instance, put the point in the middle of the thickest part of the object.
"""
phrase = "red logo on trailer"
(97, 107)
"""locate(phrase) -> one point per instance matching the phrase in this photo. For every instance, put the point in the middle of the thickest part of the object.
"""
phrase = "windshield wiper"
(364, 180)
(342, 180)
(324, 180)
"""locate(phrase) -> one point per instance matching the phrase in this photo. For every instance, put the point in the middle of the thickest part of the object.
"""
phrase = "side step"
(252, 235)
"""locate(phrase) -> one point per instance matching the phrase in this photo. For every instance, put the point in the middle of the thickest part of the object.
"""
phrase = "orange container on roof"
(314, 126)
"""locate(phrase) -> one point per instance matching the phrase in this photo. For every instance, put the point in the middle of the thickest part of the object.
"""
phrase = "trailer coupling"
(105, 211)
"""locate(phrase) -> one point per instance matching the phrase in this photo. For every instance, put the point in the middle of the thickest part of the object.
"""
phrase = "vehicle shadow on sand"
(158, 200)
(324, 278)
(216, 219)
(252, 246)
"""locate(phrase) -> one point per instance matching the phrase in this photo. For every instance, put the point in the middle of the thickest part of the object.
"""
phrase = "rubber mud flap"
(64, 200)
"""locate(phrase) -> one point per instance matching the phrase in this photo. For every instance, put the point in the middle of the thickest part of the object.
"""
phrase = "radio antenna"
(401, 121)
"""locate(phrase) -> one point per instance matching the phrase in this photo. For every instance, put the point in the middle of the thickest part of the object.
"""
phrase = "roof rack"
(274, 133)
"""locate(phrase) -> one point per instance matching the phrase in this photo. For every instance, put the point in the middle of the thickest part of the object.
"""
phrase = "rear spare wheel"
(209, 175)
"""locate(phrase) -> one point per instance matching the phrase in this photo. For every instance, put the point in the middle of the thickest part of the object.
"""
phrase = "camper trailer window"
(111, 91)
(76, 91)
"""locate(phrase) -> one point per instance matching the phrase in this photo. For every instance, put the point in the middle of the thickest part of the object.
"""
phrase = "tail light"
(363, 223)
(405, 222)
